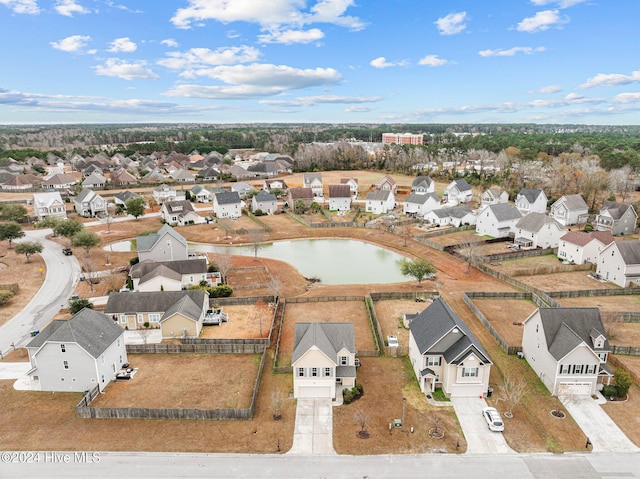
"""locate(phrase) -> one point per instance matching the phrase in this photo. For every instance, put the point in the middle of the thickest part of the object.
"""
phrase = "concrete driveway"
(480, 440)
(604, 434)
(313, 431)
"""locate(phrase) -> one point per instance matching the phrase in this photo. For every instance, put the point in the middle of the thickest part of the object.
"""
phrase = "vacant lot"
(245, 322)
(202, 381)
(386, 381)
(623, 334)
(334, 312)
(249, 277)
(506, 316)
(389, 314)
(565, 281)
(605, 303)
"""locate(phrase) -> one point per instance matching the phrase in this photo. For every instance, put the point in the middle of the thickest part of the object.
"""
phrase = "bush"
(623, 382)
(134, 260)
(258, 212)
(610, 391)
(221, 291)
(146, 324)
(5, 295)
(212, 268)
(350, 395)
(78, 305)
(588, 227)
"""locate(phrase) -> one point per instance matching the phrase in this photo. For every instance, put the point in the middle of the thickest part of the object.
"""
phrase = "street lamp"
(404, 403)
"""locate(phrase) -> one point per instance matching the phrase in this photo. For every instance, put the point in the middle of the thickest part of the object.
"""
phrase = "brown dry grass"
(503, 313)
(627, 414)
(14, 268)
(605, 303)
(565, 281)
(19, 355)
(624, 334)
(389, 313)
(200, 381)
(386, 381)
(243, 323)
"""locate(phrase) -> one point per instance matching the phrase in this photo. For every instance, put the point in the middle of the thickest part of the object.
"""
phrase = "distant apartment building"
(402, 138)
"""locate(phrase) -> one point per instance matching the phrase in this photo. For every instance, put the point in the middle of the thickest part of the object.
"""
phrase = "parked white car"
(494, 421)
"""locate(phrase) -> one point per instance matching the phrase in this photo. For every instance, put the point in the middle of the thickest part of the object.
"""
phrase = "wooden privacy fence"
(280, 319)
(202, 348)
(625, 350)
(231, 301)
(403, 295)
(324, 299)
(374, 324)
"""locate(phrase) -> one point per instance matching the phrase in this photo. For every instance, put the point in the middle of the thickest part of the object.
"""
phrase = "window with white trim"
(154, 318)
(564, 369)
(344, 360)
(603, 357)
(63, 348)
(140, 318)
(578, 368)
(433, 360)
(469, 372)
(300, 372)
(314, 372)
(591, 369)
(327, 372)
(123, 319)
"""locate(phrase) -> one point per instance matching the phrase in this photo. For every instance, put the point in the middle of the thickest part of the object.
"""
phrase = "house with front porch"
(380, 202)
(323, 360)
(275, 184)
(339, 198)
(579, 247)
(531, 200)
(445, 354)
(177, 313)
(458, 191)
(89, 203)
(77, 354)
(570, 210)
(619, 218)
(200, 194)
(497, 221)
(48, 204)
(313, 181)
(568, 349)
(619, 262)
(537, 230)
(419, 204)
(163, 192)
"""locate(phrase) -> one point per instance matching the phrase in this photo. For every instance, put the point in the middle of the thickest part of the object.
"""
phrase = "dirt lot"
(386, 381)
(244, 323)
(201, 381)
(15, 268)
(389, 314)
(503, 313)
(605, 303)
(565, 281)
(334, 312)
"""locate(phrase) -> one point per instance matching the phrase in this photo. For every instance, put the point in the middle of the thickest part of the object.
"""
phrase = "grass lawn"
(243, 323)
(503, 313)
(389, 314)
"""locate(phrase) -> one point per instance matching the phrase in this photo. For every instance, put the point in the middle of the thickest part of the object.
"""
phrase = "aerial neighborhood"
(222, 291)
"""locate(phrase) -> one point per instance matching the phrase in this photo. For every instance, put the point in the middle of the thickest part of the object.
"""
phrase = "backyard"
(506, 316)
(246, 321)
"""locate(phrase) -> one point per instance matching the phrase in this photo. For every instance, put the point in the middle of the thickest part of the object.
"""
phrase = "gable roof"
(185, 306)
(147, 242)
(339, 191)
(378, 195)
(227, 197)
(386, 179)
(422, 181)
(85, 195)
(184, 266)
(505, 212)
(328, 337)
(613, 209)
(630, 251)
(94, 178)
(419, 199)
(264, 196)
(573, 202)
(178, 206)
(534, 222)
(46, 199)
(434, 323)
(308, 178)
(91, 330)
(125, 196)
(462, 184)
(494, 192)
(531, 194)
(300, 193)
(582, 238)
(566, 328)
(155, 301)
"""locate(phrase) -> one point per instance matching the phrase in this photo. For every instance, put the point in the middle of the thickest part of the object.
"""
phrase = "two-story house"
(493, 196)
(570, 210)
(458, 191)
(313, 181)
(455, 216)
(537, 230)
(323, 358)
(531, 200)
(386, 183)
(89, 203)
(339, 198)
(162, 193)
(579, 247)
(165, 245)
(180, 213)
(48, 204)
(353, 186)
(379, 202)
(619, 218)
(265, 202)
(619, 262)
(444, 353)
(300, 196)
(171, 275)
(227, 204)
(497, 221)
(419, 204)
(423, 185)
(568, 349)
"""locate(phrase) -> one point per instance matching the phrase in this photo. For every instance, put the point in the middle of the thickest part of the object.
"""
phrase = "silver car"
(494, 421)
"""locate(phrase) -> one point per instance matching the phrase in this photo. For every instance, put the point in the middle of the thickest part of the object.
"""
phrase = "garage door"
(574, 389)
(315, 392)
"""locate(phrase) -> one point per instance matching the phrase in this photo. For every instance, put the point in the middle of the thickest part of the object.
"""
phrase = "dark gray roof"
(178, 206)
(308, 178)
(534, 222)
(574, 202)
(531, 194)
(263, 196)
(185, 306)
(147, 242)
(328, 337)
(339, 191)
(421, 199)
(615, 210)
(378, 195)
(566, 328)
(630, 251)
(438, 330)
(462, 184)
(185, 266)
(91, 330)
(505, 212)
(124, 196)
(150, 302)
(161, 271)
(422, 181)
(227, 198)
(83, 195)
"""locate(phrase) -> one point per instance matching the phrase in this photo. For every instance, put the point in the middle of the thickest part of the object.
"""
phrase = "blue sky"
(334, 61)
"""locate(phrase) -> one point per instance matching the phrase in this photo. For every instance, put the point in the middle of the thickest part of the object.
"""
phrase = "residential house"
(579, 247)
(227, 204)
(243, 189)
(183, 176)
(48, 204)
(238, 172)
(89, 203)
(531, 200)
(77, 354)
(619, 262)
(274, 184)
(379, 202)
(568, 349)
(59, 181)
(201, 194)
(353, 186)
(171, 275)
(95, 180)
(176, 313)
(419, 204)
(209, 174)
(163, 192)
(619, 218)
(264, 169)
(165, 245)
(122, 197)
(300, 194)
(445, 354)
(21, 182)
(537, 230)
(323, 358)
(458, 191)
(423, 185)
(180, 213)
(154, 176)
(265, 202)
(497, 221)
(313, 181)
(386, 183)
(455, 216)
(570, 210)
(339, 198)
(494, 196)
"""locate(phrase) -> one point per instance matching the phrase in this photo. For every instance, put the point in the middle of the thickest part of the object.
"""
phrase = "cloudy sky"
(335, 61)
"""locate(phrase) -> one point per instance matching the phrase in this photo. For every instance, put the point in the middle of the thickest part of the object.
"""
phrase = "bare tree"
(470, 250)
(361, 418)
(275, 288)
(405, 232)
(262, 311)
(226, 225)
(144, 334)
(107, 219)
(90, 270)
(223, 262)
(514, 389)
(256, 238)
(277, 401)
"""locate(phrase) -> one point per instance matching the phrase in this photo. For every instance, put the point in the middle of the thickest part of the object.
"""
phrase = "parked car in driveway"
(67, 251)
(493, 419)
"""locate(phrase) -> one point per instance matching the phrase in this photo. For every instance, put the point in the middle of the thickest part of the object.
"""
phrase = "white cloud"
(611, 79)
(359, 109)
(114, 67)
(548, 89)
(123, 44)
(510, 52)
(29, 7)
(627, 98)
(69, 7)
(74, 43)
(452, 23)
(381, 62)
(305, 101)
(196, 58)
(432, 61)
(561, 3)
(289, 37)
(541, 21)
(170, 42)
(268, 14)
(256, 80)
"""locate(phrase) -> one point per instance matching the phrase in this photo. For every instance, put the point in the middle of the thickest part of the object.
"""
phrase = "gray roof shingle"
(566, 328)
(151, 302)
(328, 337)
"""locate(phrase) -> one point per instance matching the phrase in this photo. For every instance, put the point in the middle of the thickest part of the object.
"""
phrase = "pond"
(332, 261)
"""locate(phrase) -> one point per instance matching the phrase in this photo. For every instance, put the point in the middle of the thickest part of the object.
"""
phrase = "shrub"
(212, 268)
(78, 305)
(588, 227)
(350, 395)
(203, 282)
(146, 324)
(610, 391)
(134, 260)
(5, 295)
(623, 382)
(221, 291)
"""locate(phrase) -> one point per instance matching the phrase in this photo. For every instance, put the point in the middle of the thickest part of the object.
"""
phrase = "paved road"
(442, 466)
(62, 275)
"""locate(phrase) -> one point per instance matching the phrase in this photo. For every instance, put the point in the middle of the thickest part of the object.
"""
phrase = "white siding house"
(579, 247)
(531, 200)
(379, 202)
(498, 220)
(339, 198)
(538, 230)
(619, 262)
(570, 210)
(48, 204)
(227, 205)
(419, 204)
(165, 245)
(265, 202)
